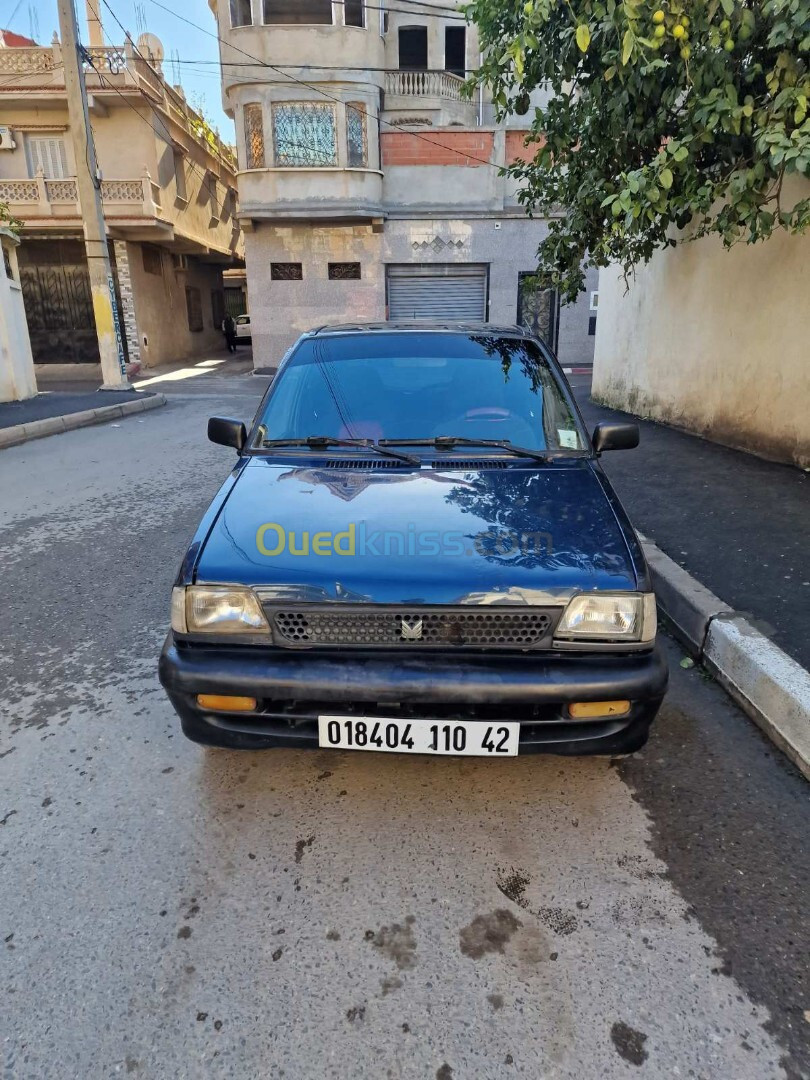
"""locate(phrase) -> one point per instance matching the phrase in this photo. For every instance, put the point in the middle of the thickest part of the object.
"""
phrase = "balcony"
(34, 77)
(426, 98)
(44, 203)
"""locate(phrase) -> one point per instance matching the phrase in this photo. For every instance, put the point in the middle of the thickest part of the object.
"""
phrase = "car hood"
(435, 535)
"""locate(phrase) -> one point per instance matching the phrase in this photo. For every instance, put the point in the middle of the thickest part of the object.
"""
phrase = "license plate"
(395, 736)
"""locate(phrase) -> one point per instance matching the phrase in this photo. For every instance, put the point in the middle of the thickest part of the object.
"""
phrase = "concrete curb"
(57, 425)
(765, 682)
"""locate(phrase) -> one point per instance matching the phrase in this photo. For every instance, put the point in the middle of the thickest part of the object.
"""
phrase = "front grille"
(413, 628)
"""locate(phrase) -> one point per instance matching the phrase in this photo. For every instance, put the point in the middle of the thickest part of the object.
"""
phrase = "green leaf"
(628, 41)
(665, 178)
(583, 37)
(611, 71)
(728, 7)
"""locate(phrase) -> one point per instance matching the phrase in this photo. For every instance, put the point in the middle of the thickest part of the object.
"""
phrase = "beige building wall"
(167, 182)
(129, 144)
(714, 341)
(17, 379)
(161, 311)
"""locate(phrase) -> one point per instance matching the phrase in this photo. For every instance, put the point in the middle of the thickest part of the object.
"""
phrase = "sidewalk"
(738, 524)
(55, 403)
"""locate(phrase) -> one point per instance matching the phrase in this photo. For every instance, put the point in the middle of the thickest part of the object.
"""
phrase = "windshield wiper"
(321, 442)
(449, 442)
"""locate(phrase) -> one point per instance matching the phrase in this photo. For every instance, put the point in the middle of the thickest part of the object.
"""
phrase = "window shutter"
(49, 155)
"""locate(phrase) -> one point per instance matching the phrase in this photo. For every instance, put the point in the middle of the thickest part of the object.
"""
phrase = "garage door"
(437, 292)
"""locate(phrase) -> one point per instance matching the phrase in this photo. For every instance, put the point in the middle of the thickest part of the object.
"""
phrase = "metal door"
(438, 291)
(538, 309)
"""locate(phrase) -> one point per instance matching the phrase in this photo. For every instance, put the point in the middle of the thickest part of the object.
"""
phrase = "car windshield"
(414, 385)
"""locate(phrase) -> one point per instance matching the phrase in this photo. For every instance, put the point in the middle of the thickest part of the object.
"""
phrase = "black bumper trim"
(516, 681)
(271, 673)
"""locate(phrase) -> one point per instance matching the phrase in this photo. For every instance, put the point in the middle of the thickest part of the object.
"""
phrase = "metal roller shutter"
(443, 291)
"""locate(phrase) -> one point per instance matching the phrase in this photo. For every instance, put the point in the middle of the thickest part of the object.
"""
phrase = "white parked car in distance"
(242, 327)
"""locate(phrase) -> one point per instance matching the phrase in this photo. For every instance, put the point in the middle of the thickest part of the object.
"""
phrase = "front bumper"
(293, 688)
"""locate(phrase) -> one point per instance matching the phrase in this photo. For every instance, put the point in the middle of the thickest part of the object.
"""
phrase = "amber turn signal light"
(224, 703)
(591, 710)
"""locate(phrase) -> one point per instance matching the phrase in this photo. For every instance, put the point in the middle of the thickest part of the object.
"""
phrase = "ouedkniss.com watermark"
(273, 540)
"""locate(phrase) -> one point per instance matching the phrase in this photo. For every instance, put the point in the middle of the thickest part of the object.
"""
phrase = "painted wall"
(714, 341)
(281, 310)
(17, 379)
(160, 308)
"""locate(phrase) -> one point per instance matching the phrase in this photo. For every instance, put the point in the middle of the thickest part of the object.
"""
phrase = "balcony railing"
(24, 195)
(26, 61)
(424, 84)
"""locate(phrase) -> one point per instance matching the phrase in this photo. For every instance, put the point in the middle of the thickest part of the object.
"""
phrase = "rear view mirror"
(227, 432)
(615, 437)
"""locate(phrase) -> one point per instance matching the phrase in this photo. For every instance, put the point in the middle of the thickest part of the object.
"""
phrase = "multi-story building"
(369, 186)
(169, 194)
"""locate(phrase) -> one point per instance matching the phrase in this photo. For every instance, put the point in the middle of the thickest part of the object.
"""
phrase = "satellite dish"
(150, 46)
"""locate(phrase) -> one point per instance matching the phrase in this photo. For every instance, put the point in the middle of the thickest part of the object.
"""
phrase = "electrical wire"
(314, 86)
(314, 67)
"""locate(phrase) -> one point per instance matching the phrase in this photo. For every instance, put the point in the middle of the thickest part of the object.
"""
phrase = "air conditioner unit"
(6, 141)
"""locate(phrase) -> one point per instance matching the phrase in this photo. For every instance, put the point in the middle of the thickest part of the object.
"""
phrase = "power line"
(28, 75)
(316, 67)
(313, 86)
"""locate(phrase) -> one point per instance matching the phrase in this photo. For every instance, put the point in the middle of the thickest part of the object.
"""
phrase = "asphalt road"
(171, 912)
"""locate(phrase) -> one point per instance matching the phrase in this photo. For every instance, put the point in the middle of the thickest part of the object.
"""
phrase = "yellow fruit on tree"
(678, 31)
(659, 31)
(658, 16)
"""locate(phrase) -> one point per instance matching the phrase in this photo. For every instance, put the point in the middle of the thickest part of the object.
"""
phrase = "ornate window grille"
(286, 271)
(356, 135)
(254, 136)
(344, 271)
(304, 134)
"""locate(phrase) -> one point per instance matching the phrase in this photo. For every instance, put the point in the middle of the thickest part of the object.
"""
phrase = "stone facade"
(127, 302)
(282, 310)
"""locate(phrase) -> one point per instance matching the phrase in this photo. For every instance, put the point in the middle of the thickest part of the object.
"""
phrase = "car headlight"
(605, 617)
(217, 609)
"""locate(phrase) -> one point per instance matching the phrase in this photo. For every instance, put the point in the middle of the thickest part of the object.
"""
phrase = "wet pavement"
(167, 911)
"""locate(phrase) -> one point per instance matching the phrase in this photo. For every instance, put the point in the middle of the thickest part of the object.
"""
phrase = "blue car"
(417, 551)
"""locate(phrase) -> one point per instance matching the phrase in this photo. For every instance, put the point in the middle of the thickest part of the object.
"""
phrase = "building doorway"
(538, 309)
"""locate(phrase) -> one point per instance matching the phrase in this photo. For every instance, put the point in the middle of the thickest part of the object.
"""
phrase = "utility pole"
(105, 306)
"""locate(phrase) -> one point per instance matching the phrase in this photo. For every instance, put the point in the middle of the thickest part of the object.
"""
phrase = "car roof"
(426, 326)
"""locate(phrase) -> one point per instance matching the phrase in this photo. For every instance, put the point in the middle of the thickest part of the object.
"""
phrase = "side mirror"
(227, 432)
(615, 437)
